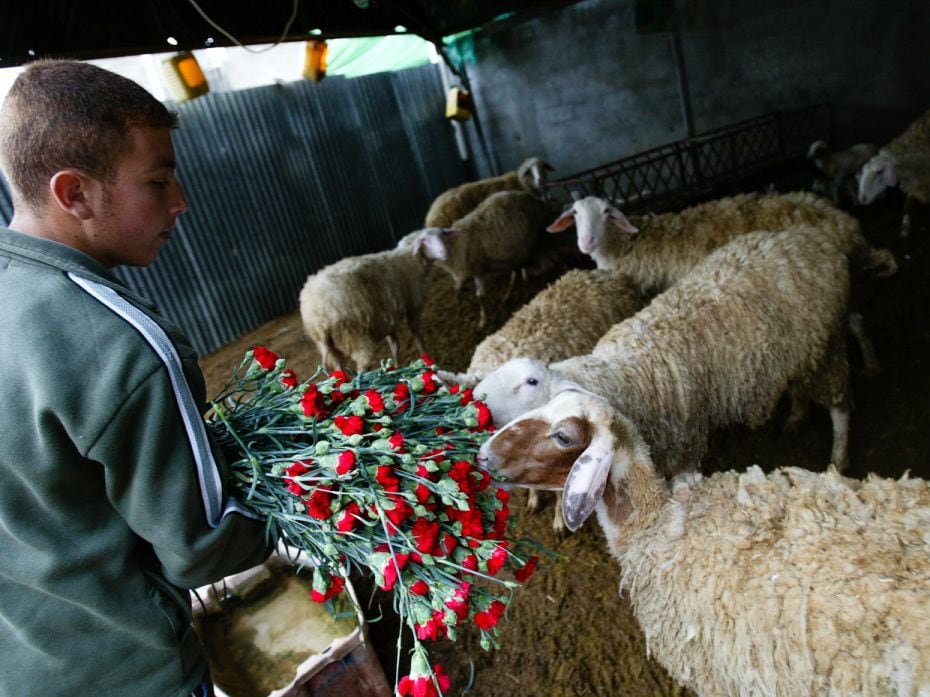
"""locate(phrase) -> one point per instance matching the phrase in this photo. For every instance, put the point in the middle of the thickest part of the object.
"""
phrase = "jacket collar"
(49, 253)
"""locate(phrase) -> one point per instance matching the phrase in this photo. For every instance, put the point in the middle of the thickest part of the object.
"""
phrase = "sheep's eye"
(532, 381)
(606, 211)
(562, 439)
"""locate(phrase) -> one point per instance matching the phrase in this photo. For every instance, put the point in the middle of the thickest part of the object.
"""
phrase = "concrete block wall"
(580, 87)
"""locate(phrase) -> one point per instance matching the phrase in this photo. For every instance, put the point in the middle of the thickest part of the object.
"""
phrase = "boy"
(112, 502)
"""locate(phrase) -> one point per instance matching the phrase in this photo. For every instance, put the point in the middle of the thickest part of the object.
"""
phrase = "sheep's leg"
(479, 294)
(558, 522)
(869, 357)
(532, 500)
(414, 325)
(513, 277)
(906, 218)
(327, 349)
(839, 456)
(799, 405)
(392, 344)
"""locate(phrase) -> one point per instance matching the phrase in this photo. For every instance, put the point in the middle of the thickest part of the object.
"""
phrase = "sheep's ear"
(890, 174)
(566, 220)
(587, 479)
(430, 247)
(618, 219)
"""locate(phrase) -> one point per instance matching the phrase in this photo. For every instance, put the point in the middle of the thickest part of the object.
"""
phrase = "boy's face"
(138, 209)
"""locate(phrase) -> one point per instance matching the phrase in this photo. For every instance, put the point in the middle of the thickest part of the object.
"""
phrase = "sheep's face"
(877, 174)
(513, 389)
(816, 152)
(537, 450)
(568, 443)
(590, 216)
(533, 173)
(428, 244)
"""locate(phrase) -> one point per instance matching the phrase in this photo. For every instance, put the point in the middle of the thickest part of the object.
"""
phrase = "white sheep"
(840, 167)
(499, 235)
(759, 317)
(598, 298)
(457, 202)
(658, 250)
(904, 162)
(348, 307)
(539, 330)
(792, 583)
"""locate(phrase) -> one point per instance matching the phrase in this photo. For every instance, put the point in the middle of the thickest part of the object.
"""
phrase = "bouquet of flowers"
(376, 473)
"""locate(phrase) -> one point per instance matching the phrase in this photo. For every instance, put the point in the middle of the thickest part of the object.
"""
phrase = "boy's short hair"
(63, 114)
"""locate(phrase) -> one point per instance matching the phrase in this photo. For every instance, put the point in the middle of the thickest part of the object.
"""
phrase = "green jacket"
(112, 501)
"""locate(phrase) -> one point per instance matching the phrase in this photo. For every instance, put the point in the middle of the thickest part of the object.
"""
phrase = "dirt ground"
(569, 633)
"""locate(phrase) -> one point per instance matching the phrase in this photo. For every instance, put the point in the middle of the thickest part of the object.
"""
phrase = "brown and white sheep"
(791, 583)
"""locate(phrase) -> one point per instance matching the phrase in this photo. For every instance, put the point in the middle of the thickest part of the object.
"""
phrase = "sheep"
(840, 167)
(760, 316)
(671, 244)
(457, 202)
(499, 235)
(348, 307)
(660, 249)
(538, 329)
(904, 162)
(791, 583)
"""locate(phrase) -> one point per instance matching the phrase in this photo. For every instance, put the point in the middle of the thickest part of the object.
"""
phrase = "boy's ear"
(70, 191)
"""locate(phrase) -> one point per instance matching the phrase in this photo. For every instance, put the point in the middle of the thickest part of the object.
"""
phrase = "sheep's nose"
(484, 455)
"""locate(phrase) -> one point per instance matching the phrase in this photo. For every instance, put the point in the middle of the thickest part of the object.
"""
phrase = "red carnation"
(397, 515)
(420, 587)
(266, 359)
(375, 401)
(384, 475)
(339, 377)
(498, 557)
(429, 382)
(446, 545)
(295, 470)
(312, 402)
(401, 396)
(319, 505)
(289, 378)
(527, 570)
(396, 440)
(422, 685)
(391, 568)
(458, 603)
(427, 359)
(349, 517)
(466, 397)
(425, 533)
(349, 425)
(484, 415)
(434, 628)
(336, 584)
(346, 462)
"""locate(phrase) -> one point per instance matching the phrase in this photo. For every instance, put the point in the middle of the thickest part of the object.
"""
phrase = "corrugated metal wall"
(285, 179)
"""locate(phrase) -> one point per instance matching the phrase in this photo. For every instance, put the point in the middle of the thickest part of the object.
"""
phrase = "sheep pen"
(558, 640)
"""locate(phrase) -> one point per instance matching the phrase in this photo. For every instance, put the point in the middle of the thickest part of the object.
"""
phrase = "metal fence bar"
(673, 173)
